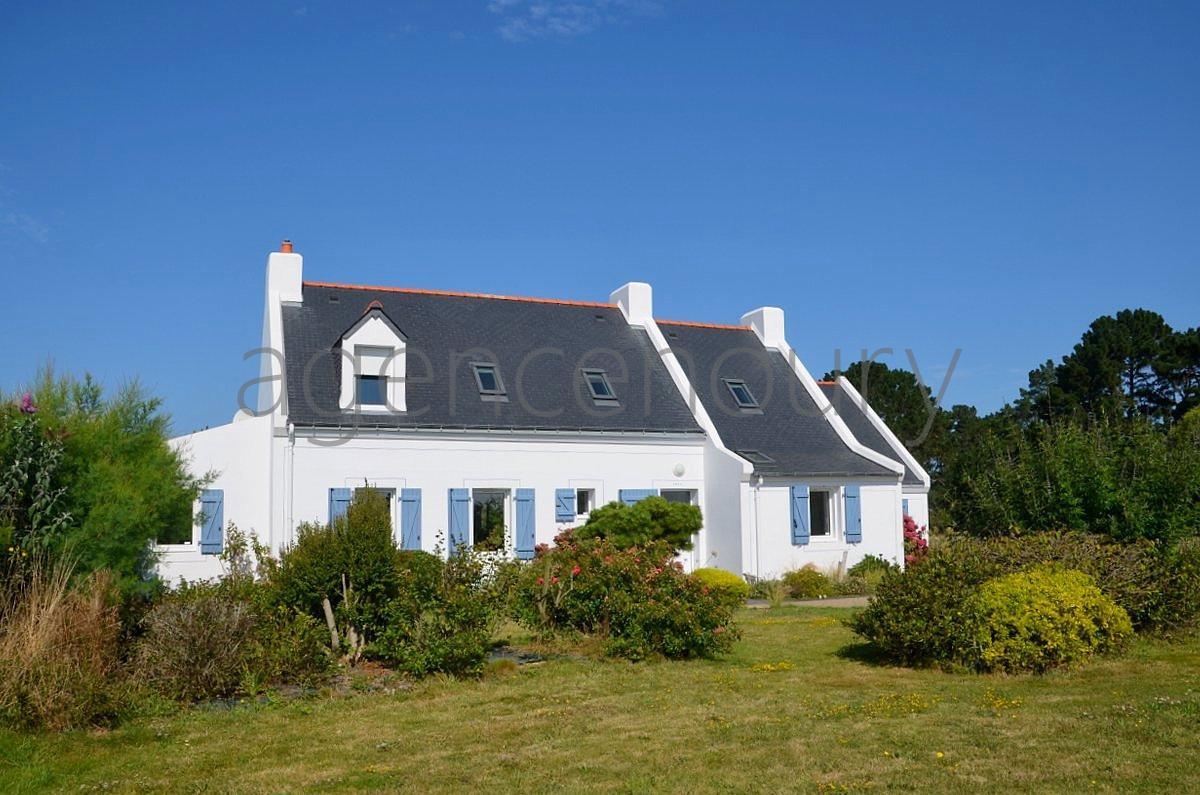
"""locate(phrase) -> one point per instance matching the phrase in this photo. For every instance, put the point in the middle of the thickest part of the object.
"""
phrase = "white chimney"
(285, 272)
(636, 300)
(767, 322)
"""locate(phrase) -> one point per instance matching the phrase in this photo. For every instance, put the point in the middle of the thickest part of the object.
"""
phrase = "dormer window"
(487, 378)
(741, 393)
(373, 363)
(601, 390)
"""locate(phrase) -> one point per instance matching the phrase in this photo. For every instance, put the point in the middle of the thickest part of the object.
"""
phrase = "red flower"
(554, 581)
(575, 571)
(540, 581)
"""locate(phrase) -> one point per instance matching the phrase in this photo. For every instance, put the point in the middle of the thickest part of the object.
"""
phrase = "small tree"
(646, 521)
(351, 563)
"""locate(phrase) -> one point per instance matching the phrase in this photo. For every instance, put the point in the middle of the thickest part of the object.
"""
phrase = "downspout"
(291, 478)
(757, 537)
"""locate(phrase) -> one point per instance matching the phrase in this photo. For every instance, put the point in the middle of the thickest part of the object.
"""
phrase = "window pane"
(741, 394)
(681, 496)
(819, 512)
(488, 533)
(599, 385)
(488, 382)
(371, 390)
(583, 502)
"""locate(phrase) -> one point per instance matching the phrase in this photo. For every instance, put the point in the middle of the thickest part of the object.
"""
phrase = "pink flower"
(540, 581)
(27, 406)
(554, 581)
(575, 571)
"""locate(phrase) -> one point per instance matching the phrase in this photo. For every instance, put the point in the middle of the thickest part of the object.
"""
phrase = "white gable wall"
(239, 457)
(770, 529)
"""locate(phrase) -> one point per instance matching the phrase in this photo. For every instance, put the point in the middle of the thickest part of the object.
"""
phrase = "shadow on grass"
(865, 652)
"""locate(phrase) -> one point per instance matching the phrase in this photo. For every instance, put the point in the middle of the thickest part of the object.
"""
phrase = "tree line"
(1105, 440)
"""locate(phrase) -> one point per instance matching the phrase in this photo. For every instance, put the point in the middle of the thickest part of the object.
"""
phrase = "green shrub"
(637, 600)
(1148, 579)
(197, 644)
(808, 583)
(652, 520)
(1179, 606)
(60, 666)
(871, 564)
(917, 617)
(211, 640)
(291, 648)
(353, 562)
(725, 583)
(109, 469)
(856, 585)
(444, 621)
(1040, 619)
(1126, 478)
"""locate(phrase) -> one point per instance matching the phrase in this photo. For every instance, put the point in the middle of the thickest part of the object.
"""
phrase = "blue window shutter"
(212, 528)
(339, 503)
(459, 522)
(904, 507)
(853, 516)
(564, 505)
(410, 518)
(526, 532)
(800, 515)
(631, 496)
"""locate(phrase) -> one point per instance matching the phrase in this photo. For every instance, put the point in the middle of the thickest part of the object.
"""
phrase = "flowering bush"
(916, 540)
(638, 599)
(725, 583)
(1041, 618)
(808, 583)
(922, 615)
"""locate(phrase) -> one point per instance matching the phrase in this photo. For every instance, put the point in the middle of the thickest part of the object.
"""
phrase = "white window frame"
(693, 495)
(837, 515)
(591, 501)
(508, 547)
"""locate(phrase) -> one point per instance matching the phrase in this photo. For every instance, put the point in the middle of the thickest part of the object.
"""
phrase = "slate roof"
(465, 328)
(788, 427)
(864, 431)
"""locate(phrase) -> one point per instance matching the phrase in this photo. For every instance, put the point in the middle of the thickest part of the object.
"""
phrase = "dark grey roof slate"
(860, 425)
(789, 428)
(440, 328)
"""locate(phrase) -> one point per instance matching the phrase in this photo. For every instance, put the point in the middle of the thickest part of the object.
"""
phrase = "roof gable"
(865, 431)
(786, 427)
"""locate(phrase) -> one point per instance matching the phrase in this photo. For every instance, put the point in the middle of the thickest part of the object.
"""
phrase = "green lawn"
(793, 709)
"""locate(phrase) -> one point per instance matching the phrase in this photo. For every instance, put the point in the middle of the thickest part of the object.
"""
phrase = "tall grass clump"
(60, 666)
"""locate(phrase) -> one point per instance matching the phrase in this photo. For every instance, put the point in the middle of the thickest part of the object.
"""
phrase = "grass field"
(794, 708)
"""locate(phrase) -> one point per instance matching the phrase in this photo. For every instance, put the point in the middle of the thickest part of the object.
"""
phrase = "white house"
(472, 412)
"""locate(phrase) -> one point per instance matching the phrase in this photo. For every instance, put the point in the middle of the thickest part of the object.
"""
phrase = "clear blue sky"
(932, 177)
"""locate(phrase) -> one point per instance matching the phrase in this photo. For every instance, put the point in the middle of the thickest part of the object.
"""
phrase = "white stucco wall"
(238, 456)
(432, 462)
(770, 529)
(723, 508)
(436, 463)
(918, 507)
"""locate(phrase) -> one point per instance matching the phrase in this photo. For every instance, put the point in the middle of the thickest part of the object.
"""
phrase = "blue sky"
(924, 177)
